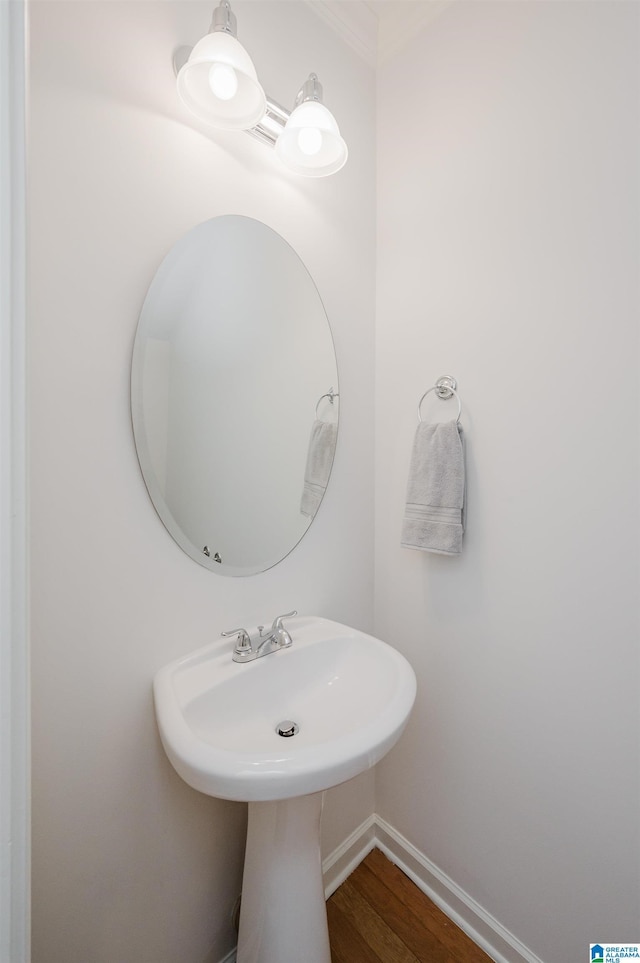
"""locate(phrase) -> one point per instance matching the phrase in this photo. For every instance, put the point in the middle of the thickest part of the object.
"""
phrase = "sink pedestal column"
(283, 917)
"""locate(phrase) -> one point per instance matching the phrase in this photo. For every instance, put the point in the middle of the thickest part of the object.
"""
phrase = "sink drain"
(287, 728)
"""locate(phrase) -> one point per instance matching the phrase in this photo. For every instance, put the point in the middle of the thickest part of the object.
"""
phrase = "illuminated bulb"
(223, 81)
(309, 140)
(310, 143)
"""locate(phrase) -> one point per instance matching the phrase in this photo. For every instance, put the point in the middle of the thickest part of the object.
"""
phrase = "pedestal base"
(283, 917)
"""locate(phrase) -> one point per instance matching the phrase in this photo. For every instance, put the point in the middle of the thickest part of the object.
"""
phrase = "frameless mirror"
(234, 395)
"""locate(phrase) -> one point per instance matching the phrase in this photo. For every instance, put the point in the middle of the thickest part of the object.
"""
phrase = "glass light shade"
(310, 143)
(209, 98)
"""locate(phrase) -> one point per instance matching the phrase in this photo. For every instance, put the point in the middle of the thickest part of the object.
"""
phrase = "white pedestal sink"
(349, 694)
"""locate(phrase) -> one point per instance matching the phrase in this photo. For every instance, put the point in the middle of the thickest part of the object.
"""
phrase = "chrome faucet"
(247, 647)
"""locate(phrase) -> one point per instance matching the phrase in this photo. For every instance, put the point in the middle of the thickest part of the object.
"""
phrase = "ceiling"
(377, 29)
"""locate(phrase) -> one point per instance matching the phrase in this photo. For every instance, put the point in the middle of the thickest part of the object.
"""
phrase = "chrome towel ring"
(445, 388)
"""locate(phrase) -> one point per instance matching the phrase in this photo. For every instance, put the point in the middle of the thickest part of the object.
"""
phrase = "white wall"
(507, 253)
(129, 863)
(507, 257)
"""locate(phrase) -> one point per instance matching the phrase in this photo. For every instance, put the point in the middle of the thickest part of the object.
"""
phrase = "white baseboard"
(348, 855)
(501, 945)
(497, 942)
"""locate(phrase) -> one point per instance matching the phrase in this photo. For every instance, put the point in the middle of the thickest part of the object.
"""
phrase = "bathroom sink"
(346, 698)
(348, 693)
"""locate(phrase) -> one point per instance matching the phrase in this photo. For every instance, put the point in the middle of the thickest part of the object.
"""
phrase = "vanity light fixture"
(310, 142)
(218, 83)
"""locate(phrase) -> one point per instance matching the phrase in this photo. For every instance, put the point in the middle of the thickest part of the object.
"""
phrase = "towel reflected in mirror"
(322, 446)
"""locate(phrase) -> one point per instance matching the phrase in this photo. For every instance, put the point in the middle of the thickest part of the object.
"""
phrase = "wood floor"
(379, 916)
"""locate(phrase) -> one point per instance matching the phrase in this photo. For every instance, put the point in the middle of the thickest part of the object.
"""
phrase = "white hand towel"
(322, 445)
(434, 519)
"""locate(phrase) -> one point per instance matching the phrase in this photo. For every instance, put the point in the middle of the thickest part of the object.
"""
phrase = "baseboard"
(501, 945)
(497, 942)
(349, 854)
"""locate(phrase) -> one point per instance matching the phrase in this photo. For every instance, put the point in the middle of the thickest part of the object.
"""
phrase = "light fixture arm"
(276, 116)
(272, 124)
(180, 57)
(310, 90)
(224, 19)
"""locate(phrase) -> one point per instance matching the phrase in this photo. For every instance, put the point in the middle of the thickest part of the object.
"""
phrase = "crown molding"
(354, 21)
(378, 29)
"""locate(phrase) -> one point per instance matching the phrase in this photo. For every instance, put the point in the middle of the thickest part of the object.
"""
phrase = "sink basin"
(349, 693)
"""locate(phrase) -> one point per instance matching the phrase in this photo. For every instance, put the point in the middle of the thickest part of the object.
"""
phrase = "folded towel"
(322, 445)
(434, 514)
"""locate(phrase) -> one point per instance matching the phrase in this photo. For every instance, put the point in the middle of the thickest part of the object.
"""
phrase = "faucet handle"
(277, 622)
(243, 642)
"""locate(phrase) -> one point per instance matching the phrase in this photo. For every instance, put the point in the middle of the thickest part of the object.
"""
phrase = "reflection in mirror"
(234, 395)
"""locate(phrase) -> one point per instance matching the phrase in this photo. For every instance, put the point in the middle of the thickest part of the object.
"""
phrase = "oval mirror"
(234, 395)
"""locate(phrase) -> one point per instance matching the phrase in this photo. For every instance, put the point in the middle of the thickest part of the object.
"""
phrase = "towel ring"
(446, 387)
(330, 394)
